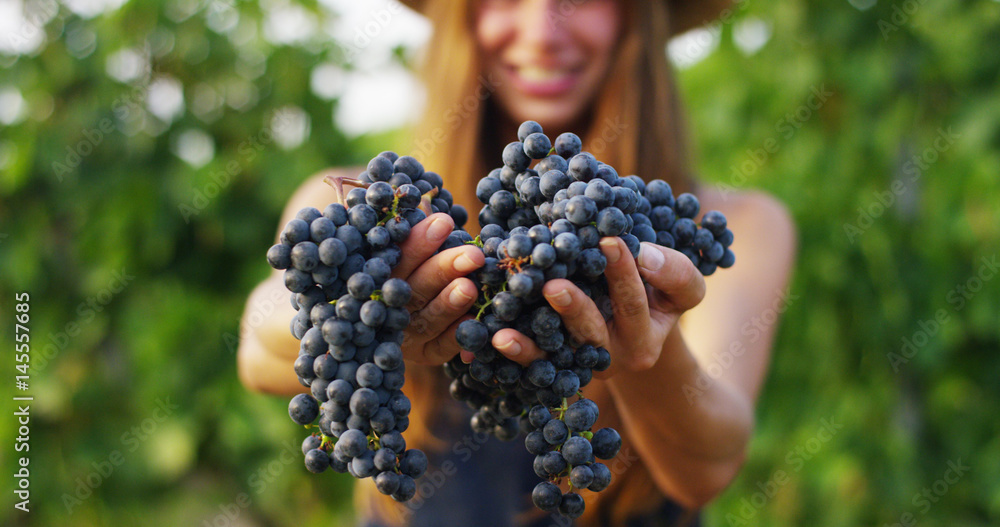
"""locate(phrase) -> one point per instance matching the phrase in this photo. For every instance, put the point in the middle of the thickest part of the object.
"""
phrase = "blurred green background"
(143, 168)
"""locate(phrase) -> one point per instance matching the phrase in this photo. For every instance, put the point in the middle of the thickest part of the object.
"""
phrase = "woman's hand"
(441, 293)
(643, 314)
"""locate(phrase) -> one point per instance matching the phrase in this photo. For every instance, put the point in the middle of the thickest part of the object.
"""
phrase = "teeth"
(536, 74)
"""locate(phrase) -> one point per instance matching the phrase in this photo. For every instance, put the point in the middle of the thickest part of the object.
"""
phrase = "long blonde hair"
(634, 125)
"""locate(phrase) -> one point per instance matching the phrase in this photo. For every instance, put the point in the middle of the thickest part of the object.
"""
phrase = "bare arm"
(267, 348)
(691, 415)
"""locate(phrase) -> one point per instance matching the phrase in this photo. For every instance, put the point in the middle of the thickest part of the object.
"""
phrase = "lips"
(543, 81)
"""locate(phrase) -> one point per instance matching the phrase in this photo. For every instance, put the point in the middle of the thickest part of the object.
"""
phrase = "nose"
(543, 22)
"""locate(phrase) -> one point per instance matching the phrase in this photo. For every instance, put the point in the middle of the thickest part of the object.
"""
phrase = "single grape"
(407, 489)
(317, 461)
(581, 476)
(537, 145)
(606, 443)
(553, 462)
(571, 505)
(295, 231)
(413, 463)
(687, 205)
(568, 145)
(409, 166)
(579, 417)
(305, 256)
(602, 477)
(472, 335)
(555, 432)
(515, 158)
(364, 402)
(311, 442)
(279, 256)
(566, 383)
(581, 210)
(546, 496)
(303, 409)
(387, 482)
(527, 128)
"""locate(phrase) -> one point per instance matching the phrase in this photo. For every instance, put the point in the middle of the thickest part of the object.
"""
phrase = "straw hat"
(685, 14)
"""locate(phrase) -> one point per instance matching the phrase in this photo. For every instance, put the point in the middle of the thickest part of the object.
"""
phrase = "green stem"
(393, 211)
(482, 310)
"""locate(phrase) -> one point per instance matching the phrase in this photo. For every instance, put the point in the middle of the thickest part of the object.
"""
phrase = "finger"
(579, 313)
(445, 346)
(628, 296)
(467, 356)
(671, 273)
(429, 323)
(425, 238)
(440, 270)
(516, 346)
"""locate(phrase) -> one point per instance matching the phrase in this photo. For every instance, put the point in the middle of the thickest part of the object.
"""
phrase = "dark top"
(479, 481)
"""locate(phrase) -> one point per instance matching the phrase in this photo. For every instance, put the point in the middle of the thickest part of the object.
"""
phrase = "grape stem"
(425, 201)
(338, 182)
(482, 310)
(489, 299)
(392, 212)
(514, 263)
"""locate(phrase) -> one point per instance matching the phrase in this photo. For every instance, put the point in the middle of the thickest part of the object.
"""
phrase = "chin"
(553, 116)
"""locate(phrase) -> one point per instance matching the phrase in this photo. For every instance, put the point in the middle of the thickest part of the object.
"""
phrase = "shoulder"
(766, 243)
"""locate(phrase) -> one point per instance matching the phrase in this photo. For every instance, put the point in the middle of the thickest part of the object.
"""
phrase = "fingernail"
(561, 299)
(611, 250)
(464, 264)
(650, 258)
(458, 298)
(511, 348)
(438, 229)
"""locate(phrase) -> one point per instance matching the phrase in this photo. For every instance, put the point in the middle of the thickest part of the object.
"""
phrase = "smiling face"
(551, 56)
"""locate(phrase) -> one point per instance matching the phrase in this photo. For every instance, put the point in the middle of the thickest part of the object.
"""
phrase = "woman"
(682, 389)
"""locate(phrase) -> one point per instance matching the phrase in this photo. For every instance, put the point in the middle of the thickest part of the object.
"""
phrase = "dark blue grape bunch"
(565, 448)
(351, 316)
(544, 213)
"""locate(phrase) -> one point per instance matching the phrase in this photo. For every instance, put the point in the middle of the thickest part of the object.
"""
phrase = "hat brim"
(684, 14)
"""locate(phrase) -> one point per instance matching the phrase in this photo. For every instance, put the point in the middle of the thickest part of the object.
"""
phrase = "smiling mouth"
(542, 81)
